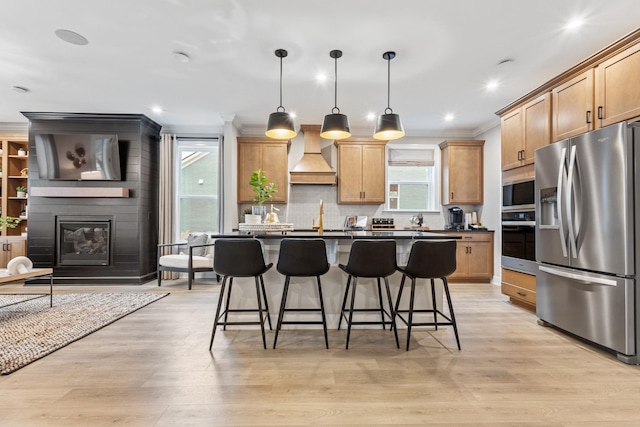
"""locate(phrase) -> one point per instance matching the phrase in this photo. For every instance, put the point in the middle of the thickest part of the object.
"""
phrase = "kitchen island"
(303, 292)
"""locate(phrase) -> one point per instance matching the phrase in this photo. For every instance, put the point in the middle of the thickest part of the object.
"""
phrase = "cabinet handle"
(588, 116)
(469, 249)
(522, 294)
(600, 113)
(452, 195)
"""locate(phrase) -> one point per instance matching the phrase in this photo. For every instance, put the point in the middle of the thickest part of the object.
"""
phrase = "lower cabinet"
(474, 256)
(11, 247)
(520, 288)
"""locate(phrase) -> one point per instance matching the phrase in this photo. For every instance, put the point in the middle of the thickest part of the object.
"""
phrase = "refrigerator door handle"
(579, 277)
(569, 196)
(559, 202)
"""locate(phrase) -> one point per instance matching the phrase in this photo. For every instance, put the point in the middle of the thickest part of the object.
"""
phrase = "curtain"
(167, 194)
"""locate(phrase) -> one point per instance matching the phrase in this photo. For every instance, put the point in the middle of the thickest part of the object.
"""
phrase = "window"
(412, 178)
(197, 186)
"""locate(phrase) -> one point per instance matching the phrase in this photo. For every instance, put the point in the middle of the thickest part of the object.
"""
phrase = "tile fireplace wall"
(130, 206)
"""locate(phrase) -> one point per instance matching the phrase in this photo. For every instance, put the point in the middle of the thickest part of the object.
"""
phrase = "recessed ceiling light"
(156, 109)
(449, 117)
(71, 37)
(20, 89)
(181, 57)
(574, 24)
(321, 77)
(492, 84)
(371, 116)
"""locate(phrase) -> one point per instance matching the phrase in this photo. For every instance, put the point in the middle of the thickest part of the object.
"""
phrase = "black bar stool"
(302, 258)
(240, 258)
(375, 259)
(429, 260)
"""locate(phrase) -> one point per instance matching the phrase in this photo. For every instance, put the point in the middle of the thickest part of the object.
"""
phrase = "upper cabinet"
(618, 88)
(268, 154)
(462, 172)
(573, 106)
(361, 171)
(524, 130)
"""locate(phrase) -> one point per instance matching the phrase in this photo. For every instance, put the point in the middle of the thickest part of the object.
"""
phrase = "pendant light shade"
(388, 125)
(335, 125)
(280, 124)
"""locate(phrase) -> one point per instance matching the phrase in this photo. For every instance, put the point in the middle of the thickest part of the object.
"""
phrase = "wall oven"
(518, 226)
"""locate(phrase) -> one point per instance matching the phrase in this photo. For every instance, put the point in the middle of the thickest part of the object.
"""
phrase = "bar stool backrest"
(372, 258)
(432, 259)
(302, 257)
(238, 258)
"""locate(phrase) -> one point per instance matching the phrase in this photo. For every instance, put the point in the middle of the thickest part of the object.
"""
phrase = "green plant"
(262, 187)
(9, 222)
(21, 189)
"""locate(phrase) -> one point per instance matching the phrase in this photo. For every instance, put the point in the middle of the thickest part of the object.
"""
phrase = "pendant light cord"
(335, 86)
(388, 57)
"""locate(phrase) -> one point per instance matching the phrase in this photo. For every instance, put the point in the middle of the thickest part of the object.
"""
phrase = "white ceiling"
(447, 50)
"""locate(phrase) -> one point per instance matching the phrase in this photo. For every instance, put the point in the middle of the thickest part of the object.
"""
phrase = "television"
(78, 156)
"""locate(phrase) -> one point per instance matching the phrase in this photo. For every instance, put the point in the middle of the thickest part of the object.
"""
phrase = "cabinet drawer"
(472, 236)
(520, 280)
(518, 293)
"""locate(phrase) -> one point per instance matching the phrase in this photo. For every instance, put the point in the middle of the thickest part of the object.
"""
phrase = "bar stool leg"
(353, 299)
(344, 301)
(264, 338)
(266, 303)
(381, 305)
(435, 303)
(395, 312)
(324, 319)
(215, 321)
(392, 314)
(411, 301)
(283, 304)
(226, 306)
(453, 316)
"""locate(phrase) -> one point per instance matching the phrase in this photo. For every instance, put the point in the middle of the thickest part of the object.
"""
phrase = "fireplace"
(83, 241)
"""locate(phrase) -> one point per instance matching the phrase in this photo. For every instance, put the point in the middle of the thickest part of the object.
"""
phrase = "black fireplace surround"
(86, 232)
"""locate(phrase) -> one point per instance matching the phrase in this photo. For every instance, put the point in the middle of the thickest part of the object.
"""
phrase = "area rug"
(31, 330)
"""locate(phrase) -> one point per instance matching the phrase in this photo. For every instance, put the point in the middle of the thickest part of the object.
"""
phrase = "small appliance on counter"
(382, 224)
(456, 219)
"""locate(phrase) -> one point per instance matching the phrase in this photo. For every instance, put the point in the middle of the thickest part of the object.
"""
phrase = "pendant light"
(280, 124)
(335, 125)
(388, 126)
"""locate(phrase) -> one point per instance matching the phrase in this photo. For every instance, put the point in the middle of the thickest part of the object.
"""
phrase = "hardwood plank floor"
(153, 368)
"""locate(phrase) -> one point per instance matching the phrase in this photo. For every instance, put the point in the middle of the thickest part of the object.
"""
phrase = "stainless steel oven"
(518, 226)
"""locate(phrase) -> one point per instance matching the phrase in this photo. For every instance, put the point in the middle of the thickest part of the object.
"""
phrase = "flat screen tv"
(78, 156)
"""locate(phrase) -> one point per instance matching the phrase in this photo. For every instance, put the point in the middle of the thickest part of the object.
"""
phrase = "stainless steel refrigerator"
(586, 236)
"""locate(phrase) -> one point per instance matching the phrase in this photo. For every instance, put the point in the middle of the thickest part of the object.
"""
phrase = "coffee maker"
(456, 219)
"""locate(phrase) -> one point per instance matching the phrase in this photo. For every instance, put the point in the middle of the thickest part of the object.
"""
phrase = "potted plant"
(263, 190)
(9, 222)
(22, 152)
(21, 191)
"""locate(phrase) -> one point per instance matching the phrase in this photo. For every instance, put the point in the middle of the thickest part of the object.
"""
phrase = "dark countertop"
(341, 234)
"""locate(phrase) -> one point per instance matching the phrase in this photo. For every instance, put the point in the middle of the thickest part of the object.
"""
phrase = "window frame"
(437, 176)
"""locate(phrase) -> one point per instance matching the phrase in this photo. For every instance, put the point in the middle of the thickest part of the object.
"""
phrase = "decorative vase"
(22, 152)
(259, 210)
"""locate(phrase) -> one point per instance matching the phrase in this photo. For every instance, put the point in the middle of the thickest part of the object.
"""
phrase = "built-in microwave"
(518, 195)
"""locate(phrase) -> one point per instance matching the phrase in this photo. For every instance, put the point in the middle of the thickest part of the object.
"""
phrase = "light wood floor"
(153, 368)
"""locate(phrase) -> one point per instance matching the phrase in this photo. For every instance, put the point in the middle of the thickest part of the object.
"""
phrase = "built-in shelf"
(79, 192)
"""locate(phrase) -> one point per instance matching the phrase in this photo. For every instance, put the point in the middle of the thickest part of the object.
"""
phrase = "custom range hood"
(312, 167)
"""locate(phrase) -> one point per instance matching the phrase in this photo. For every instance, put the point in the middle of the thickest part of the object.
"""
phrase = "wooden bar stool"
(429, 260)
(374, 259)
(302, 258)
(240, 258)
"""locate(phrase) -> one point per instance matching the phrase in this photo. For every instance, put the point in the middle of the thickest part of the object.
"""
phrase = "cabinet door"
(512, 143)
(618, 87)
(573, 107)
(249, 159)
(11, 247)
(373, 172)
(275, 166)
(462, 261)
(349, 173)
(537, 126)
(465, 174)
(480, 260)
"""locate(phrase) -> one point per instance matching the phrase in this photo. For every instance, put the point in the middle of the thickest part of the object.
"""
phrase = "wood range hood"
(312, 167)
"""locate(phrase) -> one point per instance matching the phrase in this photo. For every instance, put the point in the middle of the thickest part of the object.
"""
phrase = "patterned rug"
(31, 330)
